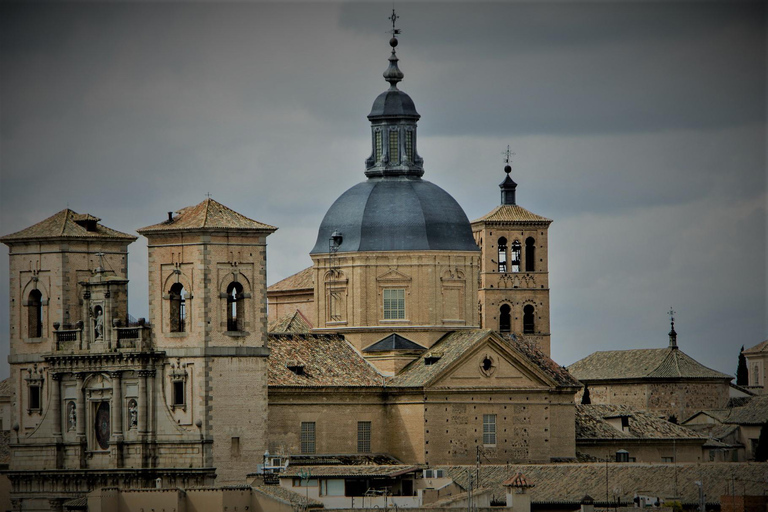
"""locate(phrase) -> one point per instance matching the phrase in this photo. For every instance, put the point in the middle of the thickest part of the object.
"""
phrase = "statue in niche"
(71, 416)
(98, 330)
(133, 413)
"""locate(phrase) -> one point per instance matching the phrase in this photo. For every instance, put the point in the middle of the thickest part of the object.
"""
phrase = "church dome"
(393, 103)
(396, 214)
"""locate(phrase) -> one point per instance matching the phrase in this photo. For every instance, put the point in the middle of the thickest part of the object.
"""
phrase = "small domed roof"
(393, 103)
(396, 214)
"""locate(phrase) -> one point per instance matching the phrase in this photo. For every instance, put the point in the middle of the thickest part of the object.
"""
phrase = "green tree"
(742, 373)
(761, 451)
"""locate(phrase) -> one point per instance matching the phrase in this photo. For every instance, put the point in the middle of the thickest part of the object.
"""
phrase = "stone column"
(55, 405)
(151, 390)
(143, 374)
(117, 405)
(80, 419)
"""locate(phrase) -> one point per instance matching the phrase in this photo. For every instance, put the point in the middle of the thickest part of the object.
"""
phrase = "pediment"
(490, 364)
(393, 275)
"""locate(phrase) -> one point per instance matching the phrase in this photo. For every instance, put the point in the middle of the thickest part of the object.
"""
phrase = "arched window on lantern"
(235, 307)
(502, 244)
(528, 320)
(35, 314)
(178, 309)
(530, 254)
(505, 318)
(515, 257)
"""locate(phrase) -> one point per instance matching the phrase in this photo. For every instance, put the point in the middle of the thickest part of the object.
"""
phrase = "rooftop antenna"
(672, 332)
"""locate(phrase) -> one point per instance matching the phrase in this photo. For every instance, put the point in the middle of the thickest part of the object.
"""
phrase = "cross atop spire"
(395, 31)
(672, 332)
(508, 186)
(393, 73)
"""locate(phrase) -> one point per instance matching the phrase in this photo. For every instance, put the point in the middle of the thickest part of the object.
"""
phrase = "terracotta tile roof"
(67, 224)
(295, 323)
(568, 483)
(455, 344)
(302, 280)
(512, 213)
(287, 496)
(385, 471)
(592, 425)
(209, 214)
(755, 412)
(650, 363)
(519, 481)
(324, 360)
(760, 347)
(6, 387)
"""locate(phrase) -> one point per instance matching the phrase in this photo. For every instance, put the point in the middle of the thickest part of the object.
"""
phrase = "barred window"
(409, 145)
(489, 429)
(308, 437)
(378, 146)
(364, 437)
(394, 151)
(394, 304)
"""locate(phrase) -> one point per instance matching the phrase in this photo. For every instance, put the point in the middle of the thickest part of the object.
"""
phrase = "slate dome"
(396, 214)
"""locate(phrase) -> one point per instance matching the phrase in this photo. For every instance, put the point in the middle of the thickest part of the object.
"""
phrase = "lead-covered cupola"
(393, 120)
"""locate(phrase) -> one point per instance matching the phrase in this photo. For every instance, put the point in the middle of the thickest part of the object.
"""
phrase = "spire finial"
(508, 186)
(507, 156)
(393, 73)
(672, 332)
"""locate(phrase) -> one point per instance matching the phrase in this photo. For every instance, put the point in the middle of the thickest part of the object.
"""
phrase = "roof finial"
(393, 73)
(508, 186)
(672, 332)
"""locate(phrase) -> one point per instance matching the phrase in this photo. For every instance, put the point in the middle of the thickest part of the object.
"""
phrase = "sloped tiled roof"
(209, 214)
(760, 347)
(568, 483)
(393, 342)
(288, 497)
(301, 280)
(455, 344)
(326, 361)
(754, 412)
(512, 213)
(65, 225)
(592, 424)
(356, 470)
(295, 323)
(344, 459)
(649, 363)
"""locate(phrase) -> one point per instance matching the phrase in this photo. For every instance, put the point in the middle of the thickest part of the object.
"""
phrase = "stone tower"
(208, 308)
(514, 272)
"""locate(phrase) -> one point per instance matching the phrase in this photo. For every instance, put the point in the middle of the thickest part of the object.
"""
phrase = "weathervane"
(507, 155)
(393, 19)
(671, 314)
(672, 332)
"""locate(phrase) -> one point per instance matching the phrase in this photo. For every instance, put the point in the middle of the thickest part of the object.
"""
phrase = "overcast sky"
(640, 128)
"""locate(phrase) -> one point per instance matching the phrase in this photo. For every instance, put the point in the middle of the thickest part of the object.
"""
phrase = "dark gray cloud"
(639, 128)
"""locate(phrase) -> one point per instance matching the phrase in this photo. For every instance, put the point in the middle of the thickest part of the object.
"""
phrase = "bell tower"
(514, 270)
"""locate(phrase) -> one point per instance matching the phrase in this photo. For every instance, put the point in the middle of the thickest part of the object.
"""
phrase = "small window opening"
(235, 309)
(378, 145)
(409, 145)
(487, 364)
(35, 314)
(431, 359)
(363, 437)
(489, 429)
(515, 263)
(502, 243)
(622, 456)
(34, 397)
(307, 437)
(296, 368)
(235, 447)
(178, 392)
(530, 254)
(528, 322)
(394, 151)
(178, 309)
(394, 304)
(505, 318)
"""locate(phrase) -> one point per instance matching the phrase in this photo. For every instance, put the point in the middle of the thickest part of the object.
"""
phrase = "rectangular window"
(409, 145)
(363, 437)
(394, 151)
(378, 146)
(667, 459)
(34, 397)
(178, 392)
(394, 304)
(235, 447)
(489, 429)
(308, 437)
